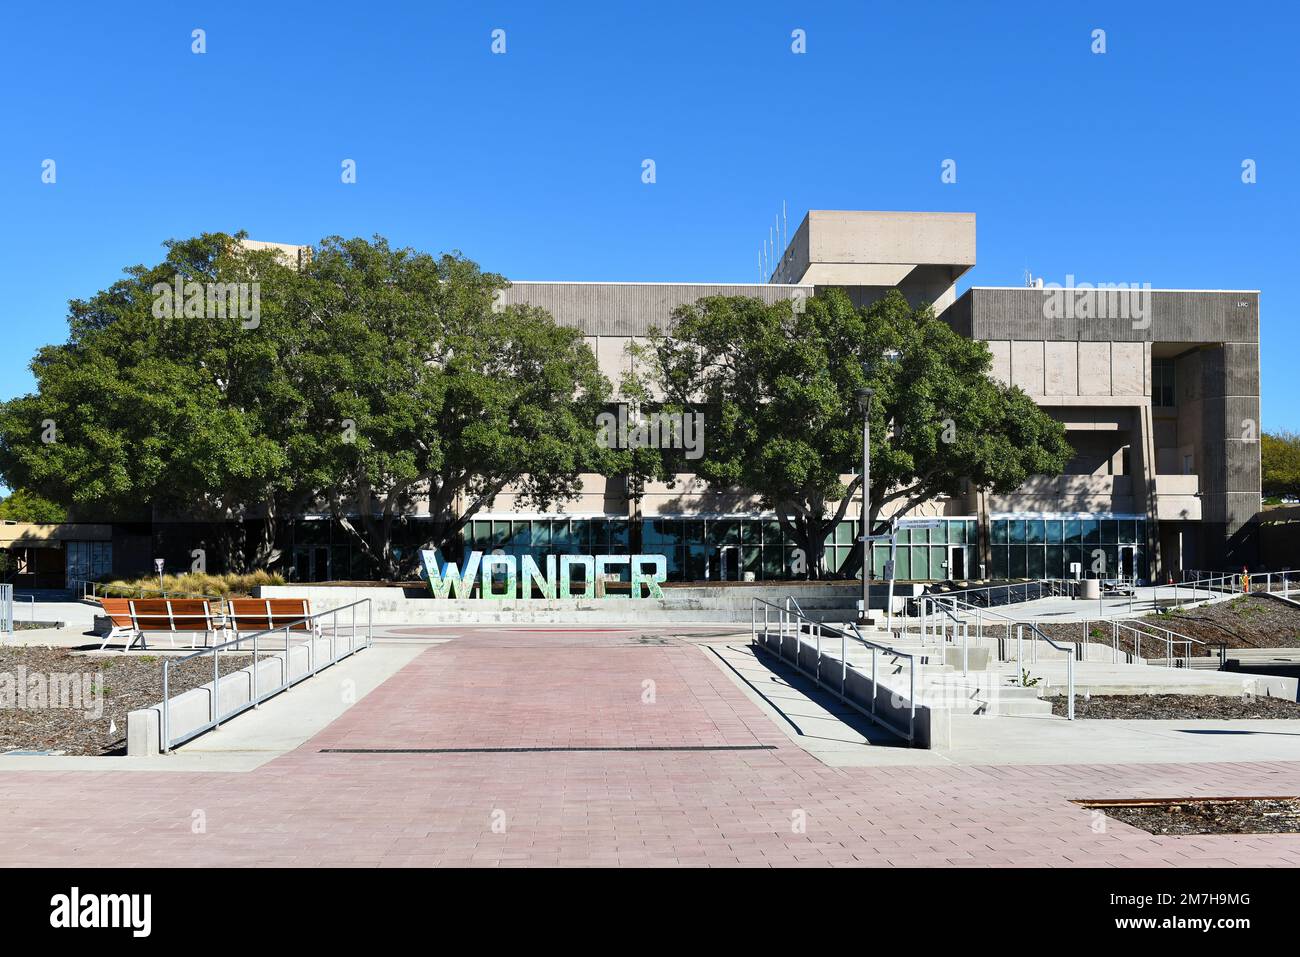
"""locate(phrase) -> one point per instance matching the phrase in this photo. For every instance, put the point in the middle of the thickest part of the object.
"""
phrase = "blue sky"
(1124, 166)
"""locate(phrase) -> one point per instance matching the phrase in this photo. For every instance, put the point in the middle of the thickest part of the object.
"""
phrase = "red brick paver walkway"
(774, 806)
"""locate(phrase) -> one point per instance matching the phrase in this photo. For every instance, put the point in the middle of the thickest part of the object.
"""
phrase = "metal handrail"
(1155, 632)
(818, 629)
(256, 696)
(1071, 652)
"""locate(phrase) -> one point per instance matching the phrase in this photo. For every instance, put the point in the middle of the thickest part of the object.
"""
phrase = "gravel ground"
(1158, 706)
(1212, 816)
(109, 687)
(1250, 621)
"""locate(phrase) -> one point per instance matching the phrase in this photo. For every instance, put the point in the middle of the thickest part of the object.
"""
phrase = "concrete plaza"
(482, 746)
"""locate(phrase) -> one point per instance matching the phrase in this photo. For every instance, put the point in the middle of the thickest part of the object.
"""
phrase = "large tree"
(778, 385)
(374, 383)
(162, 403)
(423, 393)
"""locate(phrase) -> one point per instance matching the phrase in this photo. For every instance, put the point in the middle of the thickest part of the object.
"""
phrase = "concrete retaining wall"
(723, 603)
(933, 725)
(193, 708)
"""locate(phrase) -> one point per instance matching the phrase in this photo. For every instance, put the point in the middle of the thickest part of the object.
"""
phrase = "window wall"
(1044, 546)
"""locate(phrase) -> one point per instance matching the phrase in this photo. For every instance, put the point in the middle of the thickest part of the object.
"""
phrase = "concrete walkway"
(504, 748)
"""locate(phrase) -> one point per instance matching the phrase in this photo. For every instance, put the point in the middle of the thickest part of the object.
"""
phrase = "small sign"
(920, 523)
(889, 571)
(158, 565)
(874, 538)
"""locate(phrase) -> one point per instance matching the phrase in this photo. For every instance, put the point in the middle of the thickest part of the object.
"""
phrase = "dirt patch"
(1175, 706)
(1255, 815)
(69, 702)
(1249, 621)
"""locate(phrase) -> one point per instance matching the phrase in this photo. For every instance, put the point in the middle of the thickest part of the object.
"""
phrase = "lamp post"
(864, 403)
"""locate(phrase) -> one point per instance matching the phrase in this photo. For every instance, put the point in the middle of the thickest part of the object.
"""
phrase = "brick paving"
(777, 807)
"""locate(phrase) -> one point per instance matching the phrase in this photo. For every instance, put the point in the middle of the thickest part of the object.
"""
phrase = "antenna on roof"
(785, 227)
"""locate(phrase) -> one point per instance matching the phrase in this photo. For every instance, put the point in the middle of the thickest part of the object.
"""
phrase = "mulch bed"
(1166, 706)
(127, 683)
(1279, 815)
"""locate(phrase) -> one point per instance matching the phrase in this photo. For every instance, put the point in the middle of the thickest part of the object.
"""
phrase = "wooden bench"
(247, 616)
(118, 612)
(173, 616)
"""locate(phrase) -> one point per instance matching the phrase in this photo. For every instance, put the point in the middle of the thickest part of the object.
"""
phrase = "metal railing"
(792, 623)
(313, 632)
(1036, 635)
(1140, 628)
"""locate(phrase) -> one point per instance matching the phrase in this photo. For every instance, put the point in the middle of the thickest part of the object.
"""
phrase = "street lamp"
(864, 396)
(864, 404)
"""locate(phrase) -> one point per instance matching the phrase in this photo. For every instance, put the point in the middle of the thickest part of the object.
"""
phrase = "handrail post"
(257, 701)
(1069, 681)
(911, 700)
(216, 687)
(844, 661)
(1020, 650)
(166, 711)
(875, 687)
(965, 648)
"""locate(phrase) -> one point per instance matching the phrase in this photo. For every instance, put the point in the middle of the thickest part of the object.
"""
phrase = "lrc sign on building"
(446, 580)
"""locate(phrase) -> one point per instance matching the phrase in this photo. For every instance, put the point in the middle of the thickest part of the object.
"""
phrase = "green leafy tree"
(1280, 464)
(181, 411)
(422, 395)
(25, 506)
(778, 386)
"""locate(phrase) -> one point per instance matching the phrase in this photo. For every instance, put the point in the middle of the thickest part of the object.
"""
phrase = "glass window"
(1073, 531)
(1054, 567)
(1054, 531)
(903, 564)
(999, 555)
(1034, 533)
(1109, 531)
(723, 532)
(1162, 383)
(1091, 531)
(1018, 562)
(1000, 531)
(1037, 567)
(1017, 531)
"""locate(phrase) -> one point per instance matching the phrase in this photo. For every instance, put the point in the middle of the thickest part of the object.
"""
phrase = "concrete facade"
(1184, 459)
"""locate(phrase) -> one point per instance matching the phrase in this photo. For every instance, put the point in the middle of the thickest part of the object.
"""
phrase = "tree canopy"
(778, 385)
(24, 506)
(372, 380)
(1280, 464)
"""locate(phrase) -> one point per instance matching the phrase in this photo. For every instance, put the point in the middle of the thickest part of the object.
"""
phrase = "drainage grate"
(692, 747)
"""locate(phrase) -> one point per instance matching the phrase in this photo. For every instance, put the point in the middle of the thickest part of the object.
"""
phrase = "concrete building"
(1158, 390)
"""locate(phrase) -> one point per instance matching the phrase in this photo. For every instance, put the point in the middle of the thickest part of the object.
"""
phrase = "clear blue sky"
(1117, 167)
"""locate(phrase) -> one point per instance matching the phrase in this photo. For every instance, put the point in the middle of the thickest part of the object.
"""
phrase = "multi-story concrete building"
(1158, 390)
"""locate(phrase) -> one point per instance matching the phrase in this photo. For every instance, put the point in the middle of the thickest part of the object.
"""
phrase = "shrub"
(192, 584)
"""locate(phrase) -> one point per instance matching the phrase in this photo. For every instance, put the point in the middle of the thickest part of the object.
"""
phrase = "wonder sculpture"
(447, 580)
